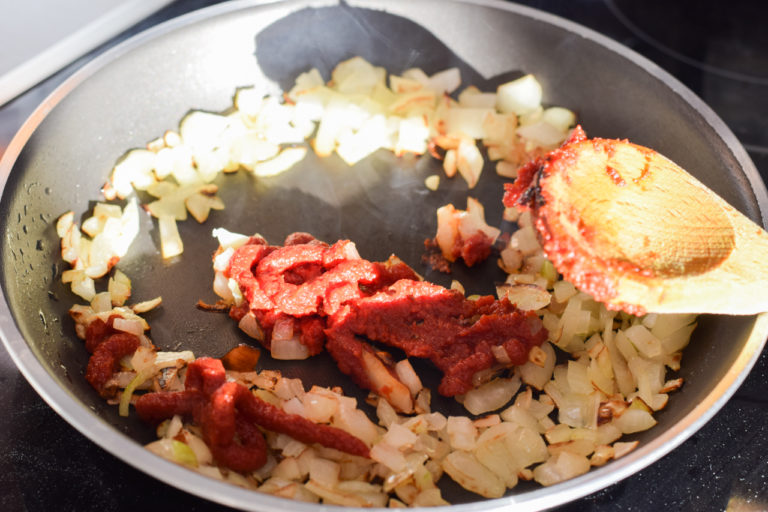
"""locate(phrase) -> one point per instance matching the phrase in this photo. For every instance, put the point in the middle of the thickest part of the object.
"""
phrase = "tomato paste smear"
(428, 321)
(107, 346)
(313, 284)
(229, 415)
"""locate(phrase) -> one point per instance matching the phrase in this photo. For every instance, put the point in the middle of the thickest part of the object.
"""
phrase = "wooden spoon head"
(639, 233)
(628, 205)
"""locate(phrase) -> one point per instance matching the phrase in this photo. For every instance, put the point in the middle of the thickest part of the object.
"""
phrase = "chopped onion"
(170, 241)
(147, 305)
(228, 239)
(288, 349)
(119, 287)
(468, 472)
(408, 376)
(129, 325)
(250, 326)
(491, 395)
(563, 466)
(125, 398)
(521, 96)
(388, 455)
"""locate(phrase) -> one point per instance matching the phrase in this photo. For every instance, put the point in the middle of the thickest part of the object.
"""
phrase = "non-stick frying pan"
(63, 155)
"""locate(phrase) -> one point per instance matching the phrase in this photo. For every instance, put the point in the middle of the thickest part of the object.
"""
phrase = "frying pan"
(63, 154)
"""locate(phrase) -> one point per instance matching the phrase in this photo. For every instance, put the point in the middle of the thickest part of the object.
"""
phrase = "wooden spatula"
(641, 234)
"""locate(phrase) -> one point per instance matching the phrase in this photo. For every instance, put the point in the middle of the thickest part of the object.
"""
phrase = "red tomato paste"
(334, 298)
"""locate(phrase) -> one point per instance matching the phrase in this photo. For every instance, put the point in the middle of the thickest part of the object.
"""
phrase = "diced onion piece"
(563, 290)
(447, 230)
(536, 375)
(467, 471)
(473, 221)
(101, 302)
(288, 349)
(250, 326)
(527, 297)
(472, 97)
(412, 80)
(389, 455)
(521, 96)
(432, 182)
(399, 436)
(199, 205)
(449, 163)
(338, 496)
(119, 287)
(560, 467)
(320, 408)
(560, 118)
(412, 136)
(356, 76)
(542, 134)
(469, 162)
(385, 383)
(229, 239)
(202, 130)
(353, 420)
(234, 290)
(634, 420)
(221, 286)
(408, 376)
(339, 115)
(428, 498)
(147, 305)
(445, 81)
(462, 433)
(128, 228)
(166, 359)
(125, 398)
(410, 103)
(507, 448)
(170, 240)
(134, 169)
(130, 325)
(183, 454)
(491, 396)
(620, 449)
(84, 286)
(467, 121)
(372, 135)
(644, 341)
(65, 223)
(171, 205)
(221, 260)
(248, 100)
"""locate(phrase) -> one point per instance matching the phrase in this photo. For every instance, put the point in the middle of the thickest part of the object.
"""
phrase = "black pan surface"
(134, 93)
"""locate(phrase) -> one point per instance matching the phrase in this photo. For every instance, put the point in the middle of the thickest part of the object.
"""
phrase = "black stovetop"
(718, 49)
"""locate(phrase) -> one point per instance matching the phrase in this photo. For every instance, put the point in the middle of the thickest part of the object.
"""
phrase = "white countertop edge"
(24, 76)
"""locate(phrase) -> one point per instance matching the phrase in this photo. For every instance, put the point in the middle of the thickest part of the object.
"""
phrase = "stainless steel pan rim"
(109, 438)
